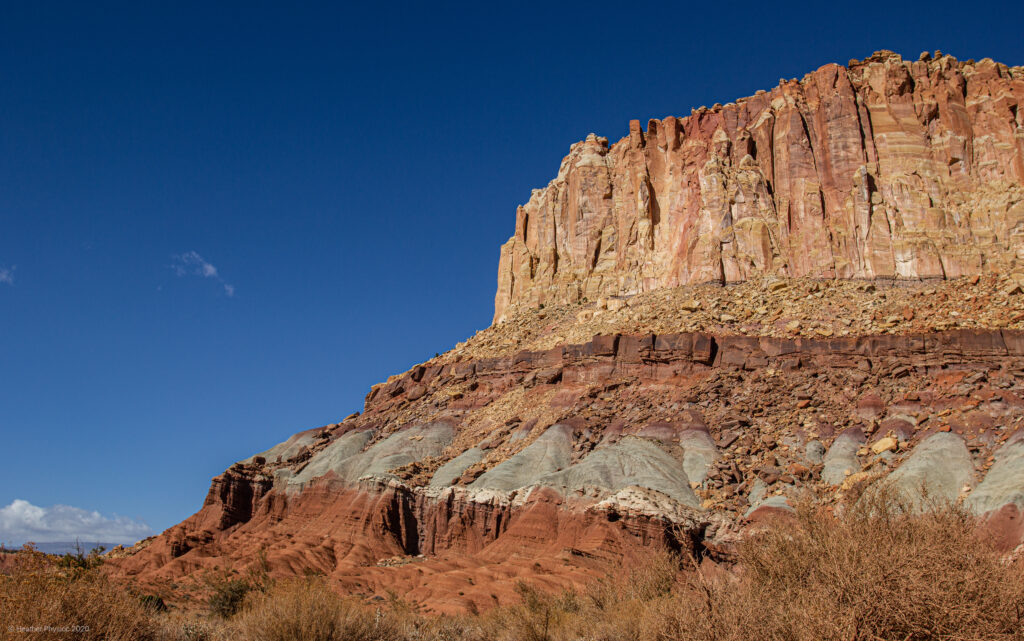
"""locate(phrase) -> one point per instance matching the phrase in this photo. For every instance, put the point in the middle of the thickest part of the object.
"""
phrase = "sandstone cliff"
(883, 169)
(638, 409)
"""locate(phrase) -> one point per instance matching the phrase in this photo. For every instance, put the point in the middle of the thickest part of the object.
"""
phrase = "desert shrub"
(308, 610)
(228, 590)
(82, 561)
(227, 595)
(539, 617)
(611, 609)
(43, 599)
(872, 571)
(179, 626)
(153, 603)
(648, 575)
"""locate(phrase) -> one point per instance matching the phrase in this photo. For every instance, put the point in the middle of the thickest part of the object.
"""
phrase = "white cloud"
(21, 521)
(7, 275)
(192, 264)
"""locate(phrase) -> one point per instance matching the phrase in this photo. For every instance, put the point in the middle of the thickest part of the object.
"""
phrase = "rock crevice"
(883, 169)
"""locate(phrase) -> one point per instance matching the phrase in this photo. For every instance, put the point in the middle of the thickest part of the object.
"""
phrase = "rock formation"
(883, 169)
(642, 409)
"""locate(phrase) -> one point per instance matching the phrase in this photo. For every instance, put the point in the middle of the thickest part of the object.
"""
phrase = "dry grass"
(869, 572)
(877, 571)
(308, 610)
(42, 599)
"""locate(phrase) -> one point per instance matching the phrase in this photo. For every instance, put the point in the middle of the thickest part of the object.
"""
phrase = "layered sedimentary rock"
(885, 168)
(638, 410)
(459, 477)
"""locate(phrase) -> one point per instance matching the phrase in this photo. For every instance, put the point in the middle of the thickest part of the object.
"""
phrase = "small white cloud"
(192, 264)
(7, 275)
(21, 522)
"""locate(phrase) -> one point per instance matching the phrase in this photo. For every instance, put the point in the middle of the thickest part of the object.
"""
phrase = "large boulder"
(699, 453)
(840, 460)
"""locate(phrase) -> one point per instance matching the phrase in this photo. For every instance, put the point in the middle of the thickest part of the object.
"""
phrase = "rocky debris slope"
(885, 168)
(550, 464)
(781, 307)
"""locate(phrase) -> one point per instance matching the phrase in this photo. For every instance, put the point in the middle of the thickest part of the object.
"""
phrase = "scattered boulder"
(886, 444)
(870, 406)
(774, 502)
(814, 452)
(699, 453)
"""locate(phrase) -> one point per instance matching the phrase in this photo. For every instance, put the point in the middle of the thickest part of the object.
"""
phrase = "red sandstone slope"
(759, 404)
(524, 453)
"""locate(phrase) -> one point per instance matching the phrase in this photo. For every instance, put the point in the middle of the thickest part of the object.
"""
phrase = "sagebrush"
(872, 570)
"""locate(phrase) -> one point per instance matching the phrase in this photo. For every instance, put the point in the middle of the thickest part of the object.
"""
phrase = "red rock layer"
(472, 553)
(650, 357)
(474, 547)
(883, 169)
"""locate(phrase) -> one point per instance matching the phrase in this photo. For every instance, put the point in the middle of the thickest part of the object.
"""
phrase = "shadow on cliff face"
(874, 568)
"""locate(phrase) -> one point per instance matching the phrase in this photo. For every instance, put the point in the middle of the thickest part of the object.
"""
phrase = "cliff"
(884, 169)
(552, 464)
(638, 409)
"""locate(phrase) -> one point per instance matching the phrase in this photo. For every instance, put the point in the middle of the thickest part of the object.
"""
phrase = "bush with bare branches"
(870, 570)
(43, 598)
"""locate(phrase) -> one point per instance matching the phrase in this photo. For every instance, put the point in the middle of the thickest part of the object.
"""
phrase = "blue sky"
(221, 225)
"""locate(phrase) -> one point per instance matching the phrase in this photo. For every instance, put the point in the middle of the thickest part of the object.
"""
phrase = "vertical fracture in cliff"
(885, 168)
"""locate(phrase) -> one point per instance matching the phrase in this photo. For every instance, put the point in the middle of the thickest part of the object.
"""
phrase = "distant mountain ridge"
(66, 547)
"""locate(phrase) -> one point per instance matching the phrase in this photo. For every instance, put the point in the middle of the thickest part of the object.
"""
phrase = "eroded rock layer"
(885, 168)
(638, 409)
(459, 478)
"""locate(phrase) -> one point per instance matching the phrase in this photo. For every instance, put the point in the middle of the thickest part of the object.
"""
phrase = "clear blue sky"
(348, 172)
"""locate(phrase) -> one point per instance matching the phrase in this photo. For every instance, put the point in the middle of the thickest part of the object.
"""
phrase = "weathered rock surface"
(638, 441)
(638, 409)
(550, 453)
(629, 462)
(453, 470)
(332, 459)
(840, 460)
(886, 168)
(938, 469)
(1004, 483)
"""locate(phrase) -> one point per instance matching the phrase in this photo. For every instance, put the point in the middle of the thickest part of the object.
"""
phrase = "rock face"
(938, 469)
(557, 443)
(550, 465)
(883, 169)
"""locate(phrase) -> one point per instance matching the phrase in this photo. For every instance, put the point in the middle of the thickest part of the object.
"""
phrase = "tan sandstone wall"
(882, 169)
